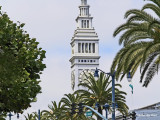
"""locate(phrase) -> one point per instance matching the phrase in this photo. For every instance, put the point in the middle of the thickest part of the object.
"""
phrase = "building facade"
(150, 112)
(84, 46)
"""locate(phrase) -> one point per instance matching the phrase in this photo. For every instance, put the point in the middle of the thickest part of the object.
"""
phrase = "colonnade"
(86, 47)
(84, 12)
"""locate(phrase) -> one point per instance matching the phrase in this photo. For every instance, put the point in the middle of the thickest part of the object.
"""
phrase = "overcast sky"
(52, 22)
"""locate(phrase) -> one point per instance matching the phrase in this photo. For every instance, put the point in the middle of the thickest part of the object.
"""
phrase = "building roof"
(152, 106)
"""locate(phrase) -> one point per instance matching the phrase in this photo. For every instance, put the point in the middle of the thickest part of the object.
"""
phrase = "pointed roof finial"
(83, 2)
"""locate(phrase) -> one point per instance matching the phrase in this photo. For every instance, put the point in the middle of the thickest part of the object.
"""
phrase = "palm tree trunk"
(100, 111)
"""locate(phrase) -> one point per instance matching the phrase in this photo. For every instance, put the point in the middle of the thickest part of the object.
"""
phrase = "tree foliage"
(67, 102)
(100, 91)
(62, 110)
(20, 66)
(141, 39)
(56, 111)
(91, 92)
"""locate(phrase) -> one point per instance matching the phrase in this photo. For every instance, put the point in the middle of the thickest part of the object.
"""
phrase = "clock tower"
(84, 46)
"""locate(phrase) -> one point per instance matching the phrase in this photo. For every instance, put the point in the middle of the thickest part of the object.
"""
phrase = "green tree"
(2, 116)
(67, 102)
(34, 116)
(20, 66)
(43, 116)
(100, 91)
(62, 110)
(56, 111)
(29, 117)
(141, 40)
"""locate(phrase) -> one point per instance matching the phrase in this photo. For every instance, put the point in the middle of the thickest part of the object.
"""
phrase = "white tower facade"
(85, 46)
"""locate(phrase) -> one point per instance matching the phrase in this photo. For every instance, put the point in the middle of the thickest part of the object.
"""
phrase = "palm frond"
(142, 14)
(153, 7)
(150, 73)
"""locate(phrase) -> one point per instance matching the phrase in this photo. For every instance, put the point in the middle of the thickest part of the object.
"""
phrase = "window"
(84, 60)
(79, 47)
(93, 46)
(87, 11)
(87, 23)
(90, 60)
(86, 47)
(80, 12)
(82, 47)
(89, 47)
(84, 11)
(81, 60)
(82, 22)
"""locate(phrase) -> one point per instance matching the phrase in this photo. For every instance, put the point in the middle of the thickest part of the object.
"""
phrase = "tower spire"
(83, 2)
(84, 19)
(84, 8)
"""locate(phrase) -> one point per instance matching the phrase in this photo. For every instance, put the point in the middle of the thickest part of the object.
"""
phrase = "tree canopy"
(21, 63)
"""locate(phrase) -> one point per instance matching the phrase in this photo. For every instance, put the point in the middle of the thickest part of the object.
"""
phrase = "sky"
(52, 23)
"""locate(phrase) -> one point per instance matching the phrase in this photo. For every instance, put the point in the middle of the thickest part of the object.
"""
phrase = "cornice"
(84, 57)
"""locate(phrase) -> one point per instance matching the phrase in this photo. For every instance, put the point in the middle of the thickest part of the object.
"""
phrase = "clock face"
(72, 80)
(84, 75)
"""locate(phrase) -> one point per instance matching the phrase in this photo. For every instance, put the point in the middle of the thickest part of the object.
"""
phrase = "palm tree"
(62, 110)
(56, 111)
(141, 40)
(29, 117)
(43, 116)
(100, 91)
(67, 101)
(34, 116)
